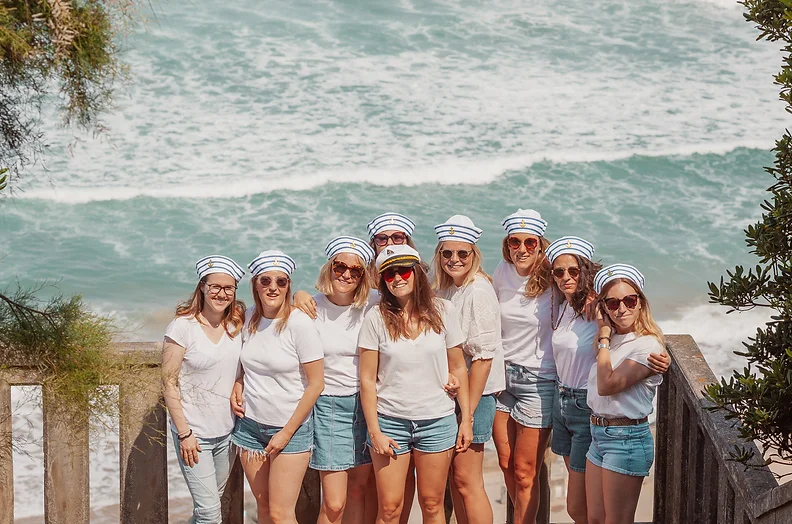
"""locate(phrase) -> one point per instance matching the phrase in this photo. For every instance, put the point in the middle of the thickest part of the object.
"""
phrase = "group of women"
(397, 372)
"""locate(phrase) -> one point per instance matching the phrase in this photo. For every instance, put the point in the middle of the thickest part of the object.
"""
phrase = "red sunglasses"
(405, 272)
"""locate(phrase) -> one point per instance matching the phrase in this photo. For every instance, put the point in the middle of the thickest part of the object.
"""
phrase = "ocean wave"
(460, 171)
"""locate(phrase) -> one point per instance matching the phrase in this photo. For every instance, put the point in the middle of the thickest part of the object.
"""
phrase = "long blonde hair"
(233, 316)
(324, 283)
(540, 274)
(645, 323)
(258, 313)
(442, 280)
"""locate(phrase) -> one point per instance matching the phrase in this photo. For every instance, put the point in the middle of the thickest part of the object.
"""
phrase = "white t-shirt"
(207, 377)
(479, 316)
(636, 401)
(525, 323)
(338, 328)
(411, 373)
(274, 377)
(573, 347)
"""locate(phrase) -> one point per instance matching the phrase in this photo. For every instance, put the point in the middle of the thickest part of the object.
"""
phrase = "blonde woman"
(522, 424)
(340, 453)
(200, 359)
(283, 375)
(459, 278)
(621, 388)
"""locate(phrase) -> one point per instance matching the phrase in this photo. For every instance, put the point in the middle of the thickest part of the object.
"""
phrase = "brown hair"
(644, 324)
(233, 316)
(324, 283)
(258, 313)
(540, 275)
(425, 307)
(442, 280)
(585, 283)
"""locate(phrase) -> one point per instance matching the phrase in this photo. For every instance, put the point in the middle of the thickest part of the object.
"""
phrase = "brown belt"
(621, 421)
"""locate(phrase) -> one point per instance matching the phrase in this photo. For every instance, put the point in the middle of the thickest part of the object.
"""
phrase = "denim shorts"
(253, 436)
(430, 436)
(339, 434)
(571, 426)
(528, 398)
(628, 450)
(483, 418)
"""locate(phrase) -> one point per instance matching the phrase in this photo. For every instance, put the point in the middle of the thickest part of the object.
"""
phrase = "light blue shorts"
(483, 418)
(430, 436)
(253, 436)
(339, 434)
(571, 426)
(628, 450)
(528, 398)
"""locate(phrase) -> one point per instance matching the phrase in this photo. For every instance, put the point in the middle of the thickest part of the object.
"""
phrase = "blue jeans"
(571, 426)
(207, 479)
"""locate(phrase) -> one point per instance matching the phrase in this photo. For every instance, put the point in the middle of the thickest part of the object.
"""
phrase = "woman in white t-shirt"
(283, 375)
(408, 344)
(621, 388)
(200, 359)
(459, 278)
(340, 453)
(522, 424)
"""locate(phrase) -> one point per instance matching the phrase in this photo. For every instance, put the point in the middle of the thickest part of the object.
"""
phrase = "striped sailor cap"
(272, 260)
(615, 271)
(570, 246)
(525, 221)
(399, 255)
(354, 245)
(458, 228)
(219, 264)
(391, 221)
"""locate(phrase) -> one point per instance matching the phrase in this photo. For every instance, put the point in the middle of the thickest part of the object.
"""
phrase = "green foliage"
(760, 395)
(56, 50)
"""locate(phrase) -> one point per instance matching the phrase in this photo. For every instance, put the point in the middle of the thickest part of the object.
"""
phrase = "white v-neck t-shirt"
(207, 377)
(274, 379)
(339, 327)
(573, 347)
(411, 373)
(525, 323)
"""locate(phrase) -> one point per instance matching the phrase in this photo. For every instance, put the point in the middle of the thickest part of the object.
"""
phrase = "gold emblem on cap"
(522, 223)
(392, 220)
(352, 245)
(389, 252)
(451, 231)
(569, 244)
(275, 262)
(211, 263)
(610, 273)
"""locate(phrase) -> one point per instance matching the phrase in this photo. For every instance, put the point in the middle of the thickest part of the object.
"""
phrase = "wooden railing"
(694, 480)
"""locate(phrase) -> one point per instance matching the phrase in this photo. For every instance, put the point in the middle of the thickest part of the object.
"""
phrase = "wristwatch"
(600, 345)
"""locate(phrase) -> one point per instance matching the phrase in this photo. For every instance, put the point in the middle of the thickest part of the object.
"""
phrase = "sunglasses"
(613, 303)
(397, 238)
(515, 243)
(281, 282)
(461, 253)
(215, 289)
(574, 272)
(339, 268)
(405, 272)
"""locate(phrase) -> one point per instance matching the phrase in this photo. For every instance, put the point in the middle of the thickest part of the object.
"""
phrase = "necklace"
(560, 317)
(215, 326)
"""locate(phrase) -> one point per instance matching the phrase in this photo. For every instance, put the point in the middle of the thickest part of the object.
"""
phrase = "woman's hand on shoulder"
(659, 362)
(305, 303)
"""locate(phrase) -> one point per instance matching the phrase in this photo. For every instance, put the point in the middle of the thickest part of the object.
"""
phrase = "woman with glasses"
(283, 375)
(340, 453)
(200, 358)
(622, 386)
(522, 424)
(459, 278)
(408, 344)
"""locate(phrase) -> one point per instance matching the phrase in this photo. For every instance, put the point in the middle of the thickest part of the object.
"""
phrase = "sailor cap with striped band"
(391, 222)
(615, 271)
(395, 256)
(219, 264)
(272, 260)
(354, 245)
(525, 221)
(569, 246)
(458, 228)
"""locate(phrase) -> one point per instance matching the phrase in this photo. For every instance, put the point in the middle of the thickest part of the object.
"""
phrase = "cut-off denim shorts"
(339, 434)
(253, 436)
(483, 418)
(430, 436)
(528, 397)
(571, 426)
(628, 450)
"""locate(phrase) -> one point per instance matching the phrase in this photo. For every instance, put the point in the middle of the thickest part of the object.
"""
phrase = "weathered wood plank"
(66, 490)
(677, 473)
(709, 482)
(233, 499)
(661, 452)
(6, 455)
(309, 502)
(725, 499)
